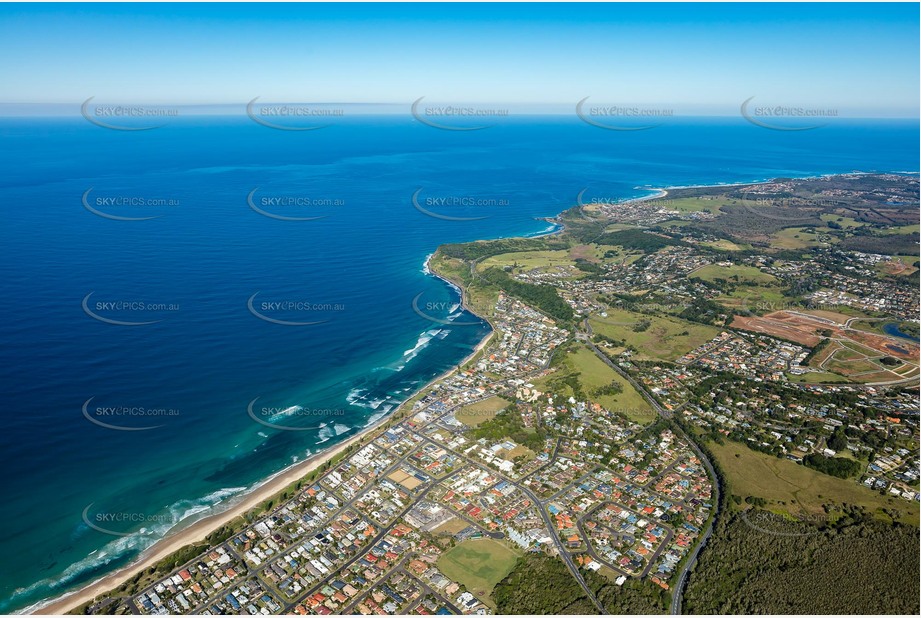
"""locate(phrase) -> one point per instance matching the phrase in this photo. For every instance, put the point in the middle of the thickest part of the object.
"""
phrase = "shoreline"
(664, 190)
(201, 528)
(197, 531)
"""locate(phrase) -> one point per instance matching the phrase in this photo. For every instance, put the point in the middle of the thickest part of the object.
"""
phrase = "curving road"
(641, 389)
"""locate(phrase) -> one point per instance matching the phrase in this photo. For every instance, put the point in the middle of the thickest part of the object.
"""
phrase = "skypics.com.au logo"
(127, 117)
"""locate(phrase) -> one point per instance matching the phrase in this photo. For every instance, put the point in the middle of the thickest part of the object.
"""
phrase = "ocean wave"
(122, 547)
(549, 230)
(286, 412)
(361, 398)
(184, 509)
(421, 342)
(356, 396)
(453, 286)
(111, 551)
(377, 416)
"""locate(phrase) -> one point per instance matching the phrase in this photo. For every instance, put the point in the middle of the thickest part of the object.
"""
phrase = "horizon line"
(69, 110)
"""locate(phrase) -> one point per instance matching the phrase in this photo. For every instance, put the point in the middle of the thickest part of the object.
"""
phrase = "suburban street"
(692, 558)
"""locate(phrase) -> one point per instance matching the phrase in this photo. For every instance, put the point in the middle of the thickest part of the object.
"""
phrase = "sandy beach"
(197, 531)
(273, 485)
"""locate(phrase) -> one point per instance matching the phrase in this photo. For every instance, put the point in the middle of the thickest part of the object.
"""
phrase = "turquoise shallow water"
(195, 268)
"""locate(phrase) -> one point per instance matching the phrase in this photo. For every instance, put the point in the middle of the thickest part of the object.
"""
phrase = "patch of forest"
(542, 585)
(791, 567)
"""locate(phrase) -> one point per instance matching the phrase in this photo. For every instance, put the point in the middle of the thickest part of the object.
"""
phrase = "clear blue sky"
(859, 58)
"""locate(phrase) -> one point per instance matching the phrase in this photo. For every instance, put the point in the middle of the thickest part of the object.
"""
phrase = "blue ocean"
(168, 294)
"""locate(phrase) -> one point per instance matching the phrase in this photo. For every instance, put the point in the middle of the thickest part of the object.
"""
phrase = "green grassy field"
(481, 411)
(676, 223)
(861, 349)
(734, 273)
(870, 327)
(527, 260)
(450, 267)
(478, 564)
(726, 245)
(900, 229)
(816, 378)
(667, 338)
(616, 227)
(846, 354)
(756, 299)
(619, 255)
(846, 223)
(860, 370)
(480, 298)
(791, 487)
(594, 374)
(692, 204)
(547, 261)
(798, 238)
(840, 314)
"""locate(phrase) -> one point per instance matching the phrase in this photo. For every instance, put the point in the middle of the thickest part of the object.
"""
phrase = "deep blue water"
(892, 328)
(207, 253)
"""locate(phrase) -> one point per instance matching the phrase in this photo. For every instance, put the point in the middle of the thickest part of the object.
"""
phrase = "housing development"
(709, 355)
(381, 530)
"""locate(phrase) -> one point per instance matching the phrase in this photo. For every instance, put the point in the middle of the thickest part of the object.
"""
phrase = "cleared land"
(406, 480)
(896, 268)
(595, 374)
(795, 488)
(452, 526)
(562, 261)
(799, 238)
(846, 223)
(527, 260)
(666, 338)
(852, 353)
(816, 377)
(738, 273)
(478, 564)
(839, 317)
(755, 299)
(693, 204)
(725, 245)
(781, 325)
(481, 411)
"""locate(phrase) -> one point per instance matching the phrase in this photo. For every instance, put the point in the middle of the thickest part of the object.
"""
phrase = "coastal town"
(589, 427)
(465, 308)
(370, 534)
